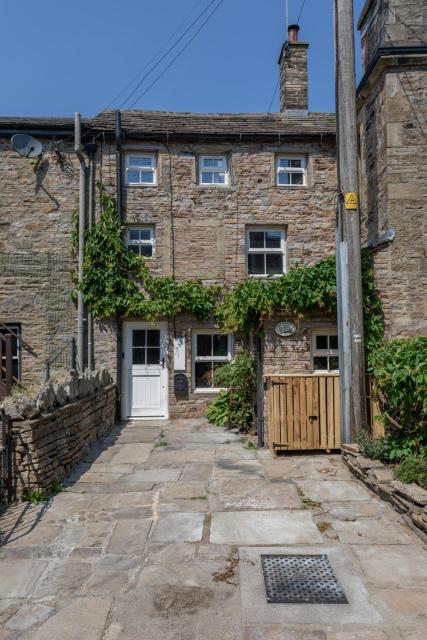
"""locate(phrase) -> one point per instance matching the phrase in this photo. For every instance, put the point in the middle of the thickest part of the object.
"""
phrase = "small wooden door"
(303, 412)
(145, 375)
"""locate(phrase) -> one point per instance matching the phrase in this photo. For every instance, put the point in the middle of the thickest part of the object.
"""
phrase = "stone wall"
(408, 499)
(391, 23)
(50, 446)
(199, 229)
(209, 223)
(292, 354)
(294, 76)
(38, 197)
(392, 110)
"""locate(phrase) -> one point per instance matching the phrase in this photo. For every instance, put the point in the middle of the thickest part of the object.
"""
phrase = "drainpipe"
(91, 149)
(119, 198)
(82, 224)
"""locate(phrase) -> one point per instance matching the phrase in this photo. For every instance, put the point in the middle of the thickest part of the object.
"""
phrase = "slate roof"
(36, 122)
(151, 123)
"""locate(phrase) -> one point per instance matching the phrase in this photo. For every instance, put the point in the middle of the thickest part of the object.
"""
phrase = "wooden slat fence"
(303, 412)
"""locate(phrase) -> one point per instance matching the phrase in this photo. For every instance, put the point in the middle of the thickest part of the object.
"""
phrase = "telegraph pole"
(349, 273)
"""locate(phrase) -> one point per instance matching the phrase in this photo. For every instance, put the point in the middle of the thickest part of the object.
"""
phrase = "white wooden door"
(146, 370)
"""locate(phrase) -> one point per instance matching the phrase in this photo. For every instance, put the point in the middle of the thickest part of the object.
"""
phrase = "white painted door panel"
(146, 370)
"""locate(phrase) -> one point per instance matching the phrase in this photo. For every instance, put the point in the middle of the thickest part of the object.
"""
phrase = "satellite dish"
(26, 145)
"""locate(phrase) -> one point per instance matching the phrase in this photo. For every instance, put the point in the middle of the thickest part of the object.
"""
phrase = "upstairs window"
(213, 170)
(210, 351)
(266, 251)
(291, 171)
(141, 169)
(141, 241)
(325, 352)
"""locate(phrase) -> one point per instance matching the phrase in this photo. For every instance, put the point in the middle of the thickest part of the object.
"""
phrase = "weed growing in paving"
(37, 496)
(248, 444)
(161, 442)
(308, 503)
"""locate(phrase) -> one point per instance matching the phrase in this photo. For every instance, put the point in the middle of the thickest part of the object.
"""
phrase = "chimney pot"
(293, 33)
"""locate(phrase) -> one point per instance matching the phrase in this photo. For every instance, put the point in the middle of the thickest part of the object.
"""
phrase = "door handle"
(163, 363)
(311, 418)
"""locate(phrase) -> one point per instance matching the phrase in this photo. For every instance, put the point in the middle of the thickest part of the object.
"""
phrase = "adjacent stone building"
(220, 197)
(392, 113)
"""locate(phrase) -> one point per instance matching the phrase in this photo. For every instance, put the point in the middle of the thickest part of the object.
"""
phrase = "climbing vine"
(303, 289)
(117, 281)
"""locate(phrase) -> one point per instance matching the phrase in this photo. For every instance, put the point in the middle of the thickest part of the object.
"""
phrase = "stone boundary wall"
(47, 448)
(410, 500)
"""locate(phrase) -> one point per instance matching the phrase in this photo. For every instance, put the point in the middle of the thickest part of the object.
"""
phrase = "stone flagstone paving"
(151, 541)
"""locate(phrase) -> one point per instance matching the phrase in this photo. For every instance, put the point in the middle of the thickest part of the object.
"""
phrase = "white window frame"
(323, 353)
(291, 170)
(215, 156)
(152, 169)
(195, 358)
(265, 250)
(139, 243)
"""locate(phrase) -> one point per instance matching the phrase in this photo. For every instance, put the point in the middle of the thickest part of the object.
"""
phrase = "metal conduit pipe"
(91, 149)
(82, 225)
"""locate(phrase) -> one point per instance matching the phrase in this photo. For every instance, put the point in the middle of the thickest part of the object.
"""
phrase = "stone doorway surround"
(160, 530)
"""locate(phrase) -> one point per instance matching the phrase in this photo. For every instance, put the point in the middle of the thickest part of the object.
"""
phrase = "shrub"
(234, 406)
(413, 469)
(375, 448)
(399, 368)
(391, 447)
(217, 410)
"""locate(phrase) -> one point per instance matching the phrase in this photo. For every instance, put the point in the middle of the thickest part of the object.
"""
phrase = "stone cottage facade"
(392, 115)
(220, 197)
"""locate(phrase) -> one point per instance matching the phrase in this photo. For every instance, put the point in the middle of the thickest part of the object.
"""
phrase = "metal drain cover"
(301, 579)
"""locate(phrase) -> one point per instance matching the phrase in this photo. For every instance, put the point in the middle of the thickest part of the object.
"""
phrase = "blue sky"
(59, 56)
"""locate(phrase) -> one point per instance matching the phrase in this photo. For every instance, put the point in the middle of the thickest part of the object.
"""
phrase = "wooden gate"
(303, 412)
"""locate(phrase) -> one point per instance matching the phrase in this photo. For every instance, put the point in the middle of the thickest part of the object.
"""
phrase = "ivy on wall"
(116, 281)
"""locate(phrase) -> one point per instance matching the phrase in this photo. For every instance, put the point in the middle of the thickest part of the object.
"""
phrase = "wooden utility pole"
(349, 274)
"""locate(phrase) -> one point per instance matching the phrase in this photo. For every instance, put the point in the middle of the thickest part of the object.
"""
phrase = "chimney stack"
(293, 75)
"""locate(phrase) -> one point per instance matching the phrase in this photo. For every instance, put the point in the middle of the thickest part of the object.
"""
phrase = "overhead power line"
(301, 10)
(180, 52)
(156, 54)
(274, 95)
(170, 49)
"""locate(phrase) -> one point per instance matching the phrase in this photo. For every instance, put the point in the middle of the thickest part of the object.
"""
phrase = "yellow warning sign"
(351, 200)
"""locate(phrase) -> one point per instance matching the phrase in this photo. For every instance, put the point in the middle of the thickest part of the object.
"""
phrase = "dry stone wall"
(408, 499)
(48, 447)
